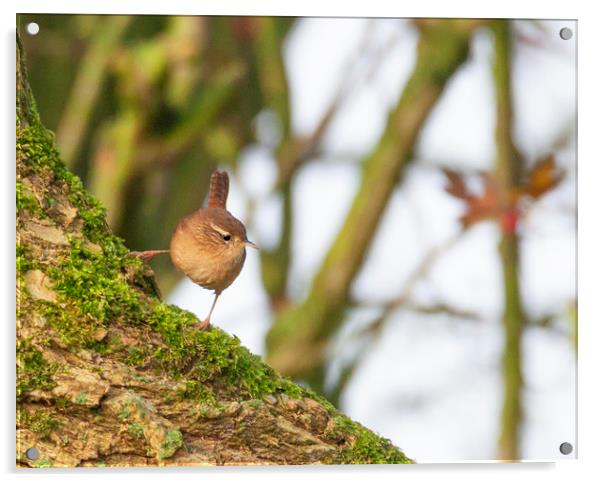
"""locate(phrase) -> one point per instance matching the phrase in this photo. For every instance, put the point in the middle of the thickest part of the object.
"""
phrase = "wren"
(209, 245)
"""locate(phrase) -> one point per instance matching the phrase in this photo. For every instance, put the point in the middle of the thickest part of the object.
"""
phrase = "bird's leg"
(203, 325)
(148, 255)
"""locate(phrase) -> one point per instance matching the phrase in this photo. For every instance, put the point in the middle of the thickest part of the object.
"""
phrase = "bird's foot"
(203, 325)
(147, 255)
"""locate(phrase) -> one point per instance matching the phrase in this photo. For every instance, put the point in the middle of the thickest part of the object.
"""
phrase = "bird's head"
(224, 232)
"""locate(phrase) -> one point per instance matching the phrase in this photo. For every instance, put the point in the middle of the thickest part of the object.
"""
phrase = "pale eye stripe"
(220, 230)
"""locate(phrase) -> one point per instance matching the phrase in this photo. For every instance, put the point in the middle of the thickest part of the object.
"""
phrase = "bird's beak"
(251, 244)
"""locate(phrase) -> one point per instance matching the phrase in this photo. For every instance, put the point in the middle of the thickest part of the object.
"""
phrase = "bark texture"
(109, 375)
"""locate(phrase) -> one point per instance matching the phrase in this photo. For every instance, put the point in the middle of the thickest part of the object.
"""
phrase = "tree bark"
(108, 375)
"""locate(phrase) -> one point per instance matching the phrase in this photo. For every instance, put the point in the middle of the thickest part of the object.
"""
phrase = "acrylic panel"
(410, 185)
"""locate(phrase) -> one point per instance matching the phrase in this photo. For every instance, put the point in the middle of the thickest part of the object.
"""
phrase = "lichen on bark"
(109, 375)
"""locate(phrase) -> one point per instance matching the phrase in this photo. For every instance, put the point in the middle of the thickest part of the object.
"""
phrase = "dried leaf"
(456, 185)
(478, 207)
(542, 178)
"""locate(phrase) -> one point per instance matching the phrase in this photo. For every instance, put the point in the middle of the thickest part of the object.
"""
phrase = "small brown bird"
(209, 245)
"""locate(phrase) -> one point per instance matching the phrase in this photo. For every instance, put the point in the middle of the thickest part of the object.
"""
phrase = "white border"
(589, 243)
(457, 8)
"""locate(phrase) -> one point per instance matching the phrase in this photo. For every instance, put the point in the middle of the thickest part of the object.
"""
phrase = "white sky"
(431, 384)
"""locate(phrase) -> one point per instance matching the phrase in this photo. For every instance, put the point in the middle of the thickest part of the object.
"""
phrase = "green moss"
(81, 398)
(91, 212)
(197, 391)
(135, 356)
(172, 442)
(366, 447)
(24, 261)
(171, 322)
(140, 407)
(92, 288)
(43, 464)
(96, 283)
(136, 429)
(33, 370)
(27, 202)
(214, 356)
(41, 422)
(370, 448)
(37, 150)
(124, 410)
(72, 328)
(106, 346)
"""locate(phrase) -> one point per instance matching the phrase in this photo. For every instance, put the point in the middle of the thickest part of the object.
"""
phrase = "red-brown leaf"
(544, 176)
(456, 185)
(477, 207)
(484, 206)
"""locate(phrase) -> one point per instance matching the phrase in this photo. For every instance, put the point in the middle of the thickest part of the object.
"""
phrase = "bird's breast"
(205, 265)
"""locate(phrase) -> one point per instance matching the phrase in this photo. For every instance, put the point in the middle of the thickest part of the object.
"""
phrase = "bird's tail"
(218, 189)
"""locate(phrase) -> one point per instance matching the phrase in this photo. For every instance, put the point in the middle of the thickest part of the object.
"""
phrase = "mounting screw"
(566, 33)
(32, 453)
(32, 28)
(565, 448)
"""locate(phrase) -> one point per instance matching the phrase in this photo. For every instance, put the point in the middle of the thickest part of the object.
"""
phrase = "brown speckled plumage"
(208, 246)
(199, 251)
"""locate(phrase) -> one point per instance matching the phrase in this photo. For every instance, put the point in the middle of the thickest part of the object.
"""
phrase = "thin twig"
(418, 274)
(308, 147)
(369, 334)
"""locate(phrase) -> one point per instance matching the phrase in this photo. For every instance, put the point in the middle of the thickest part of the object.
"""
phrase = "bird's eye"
(226, 237)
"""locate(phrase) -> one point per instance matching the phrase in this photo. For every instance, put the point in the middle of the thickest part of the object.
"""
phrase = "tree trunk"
(108, 375)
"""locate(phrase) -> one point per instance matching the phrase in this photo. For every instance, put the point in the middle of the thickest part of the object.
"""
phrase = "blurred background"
(411, 184)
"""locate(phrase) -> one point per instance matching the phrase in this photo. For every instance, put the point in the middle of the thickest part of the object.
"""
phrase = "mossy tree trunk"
(108, 375)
